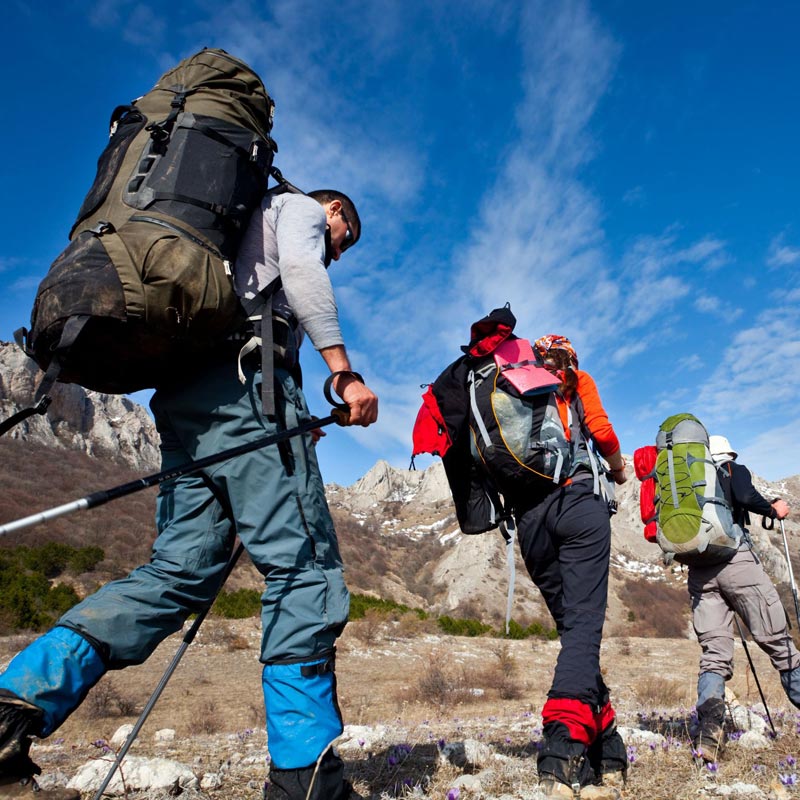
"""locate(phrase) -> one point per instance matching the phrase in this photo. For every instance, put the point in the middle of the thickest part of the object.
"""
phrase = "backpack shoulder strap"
(259, 314)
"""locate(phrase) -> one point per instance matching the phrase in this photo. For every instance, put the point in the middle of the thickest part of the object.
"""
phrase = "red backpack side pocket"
(644, 463)
(430, 431)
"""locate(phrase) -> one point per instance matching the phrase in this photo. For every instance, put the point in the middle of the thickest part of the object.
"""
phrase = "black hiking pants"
(565, 540)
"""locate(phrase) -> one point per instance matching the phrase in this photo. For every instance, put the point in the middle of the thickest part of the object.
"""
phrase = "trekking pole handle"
(340, 410)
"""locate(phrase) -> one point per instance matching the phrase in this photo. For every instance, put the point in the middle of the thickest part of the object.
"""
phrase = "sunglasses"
(349, 238)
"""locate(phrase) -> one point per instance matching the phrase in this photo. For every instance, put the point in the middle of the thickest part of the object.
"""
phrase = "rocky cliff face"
(107, 426)
(472, 570)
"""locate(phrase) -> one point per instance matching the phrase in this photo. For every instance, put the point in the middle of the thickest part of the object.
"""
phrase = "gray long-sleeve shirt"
(287, 238)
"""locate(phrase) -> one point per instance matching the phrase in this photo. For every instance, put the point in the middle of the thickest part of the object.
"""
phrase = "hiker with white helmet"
(740, 586)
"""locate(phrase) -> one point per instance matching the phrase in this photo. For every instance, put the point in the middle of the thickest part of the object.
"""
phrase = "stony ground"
(429, 716)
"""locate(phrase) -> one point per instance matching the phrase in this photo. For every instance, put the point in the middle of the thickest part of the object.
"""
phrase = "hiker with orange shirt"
(565, 538)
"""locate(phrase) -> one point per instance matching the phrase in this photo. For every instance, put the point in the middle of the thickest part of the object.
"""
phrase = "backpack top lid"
(490, 331)
(681, 429)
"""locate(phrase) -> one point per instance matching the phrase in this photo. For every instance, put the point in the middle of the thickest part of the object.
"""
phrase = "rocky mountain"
(107, 426)
(399, 535)
(471, 571)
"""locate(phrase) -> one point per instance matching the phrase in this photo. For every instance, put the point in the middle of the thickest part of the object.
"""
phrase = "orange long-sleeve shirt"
(595, 416)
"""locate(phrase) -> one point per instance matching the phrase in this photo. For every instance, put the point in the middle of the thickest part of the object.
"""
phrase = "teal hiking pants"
(273, 498)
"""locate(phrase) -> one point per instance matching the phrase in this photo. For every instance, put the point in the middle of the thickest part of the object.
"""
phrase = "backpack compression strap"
(72, 328)
(671, 467)
(259, 313)
(508, 528)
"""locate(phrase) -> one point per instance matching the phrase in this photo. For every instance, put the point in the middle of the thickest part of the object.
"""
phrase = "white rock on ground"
(744, 719)
(751, 740)
(477, 753)
(121, 735)
(361, 737)
(164, 735)
(638, 736)
(141, 774)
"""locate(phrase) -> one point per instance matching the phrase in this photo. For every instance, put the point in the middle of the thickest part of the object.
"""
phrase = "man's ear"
(334, 207)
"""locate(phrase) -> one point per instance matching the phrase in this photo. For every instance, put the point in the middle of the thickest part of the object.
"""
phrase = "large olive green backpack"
(695, 521)
(146, 279)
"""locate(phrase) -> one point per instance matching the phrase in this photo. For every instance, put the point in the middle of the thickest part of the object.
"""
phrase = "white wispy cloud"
(635, 196)
(780, 254)
(758, 378)
(708, 304)
(773, 453)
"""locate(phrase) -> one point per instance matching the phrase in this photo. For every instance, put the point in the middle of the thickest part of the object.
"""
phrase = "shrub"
(360, 603)
(535, 629)
(463, 627)
(206, 719)
(369, 626)
(439, 684)
(27, 599)
(85, 559)
(655, 691)
(105, 700)
(238, 604)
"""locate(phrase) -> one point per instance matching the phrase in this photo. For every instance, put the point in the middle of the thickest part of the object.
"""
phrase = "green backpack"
(695, 521)
(146, 281)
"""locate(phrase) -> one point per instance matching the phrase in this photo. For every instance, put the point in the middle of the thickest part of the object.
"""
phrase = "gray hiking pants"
(740, 585)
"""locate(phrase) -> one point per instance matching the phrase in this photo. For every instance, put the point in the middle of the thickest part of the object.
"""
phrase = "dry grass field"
(417, 691)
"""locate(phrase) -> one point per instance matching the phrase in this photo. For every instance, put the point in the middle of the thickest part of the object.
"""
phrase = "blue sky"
(623, 173)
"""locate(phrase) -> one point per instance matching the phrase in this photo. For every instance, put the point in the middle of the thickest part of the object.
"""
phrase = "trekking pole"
(187, 640)
(339, 415)
(791, 573)
(755, 674)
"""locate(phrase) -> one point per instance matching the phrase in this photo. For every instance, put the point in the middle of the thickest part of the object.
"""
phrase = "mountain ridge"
(397, 528)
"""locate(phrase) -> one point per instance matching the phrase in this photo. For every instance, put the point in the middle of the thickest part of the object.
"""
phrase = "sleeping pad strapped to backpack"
(146, 279)
(695, 521)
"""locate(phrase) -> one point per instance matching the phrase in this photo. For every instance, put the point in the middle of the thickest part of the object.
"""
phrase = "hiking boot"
(615, 779)
(709, 743)
(608, 758)
(323, 782)
(20, 787)
(709, 739)
(549, 787)
(18, 722)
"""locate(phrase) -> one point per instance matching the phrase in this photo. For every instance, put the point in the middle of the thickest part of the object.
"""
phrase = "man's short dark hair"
(323, 196)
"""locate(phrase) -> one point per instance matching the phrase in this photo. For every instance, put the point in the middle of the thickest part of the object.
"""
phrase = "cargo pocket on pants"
(764, 612)
(337, 601)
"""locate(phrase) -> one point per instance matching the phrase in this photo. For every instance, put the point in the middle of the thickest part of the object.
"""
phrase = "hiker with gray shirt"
(271, 498)
(737, 586)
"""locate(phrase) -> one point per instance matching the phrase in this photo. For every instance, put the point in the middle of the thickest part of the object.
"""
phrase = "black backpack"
(146, 281)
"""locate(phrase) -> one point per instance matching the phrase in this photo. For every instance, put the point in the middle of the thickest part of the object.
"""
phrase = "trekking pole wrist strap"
(340, 410)
(356, 376)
